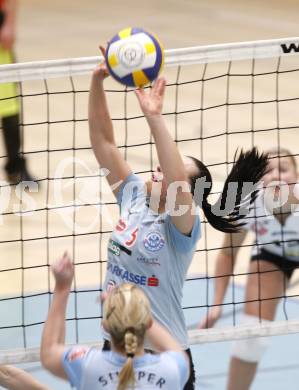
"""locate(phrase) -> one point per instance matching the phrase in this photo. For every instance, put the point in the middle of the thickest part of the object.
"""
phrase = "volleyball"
(134, 57)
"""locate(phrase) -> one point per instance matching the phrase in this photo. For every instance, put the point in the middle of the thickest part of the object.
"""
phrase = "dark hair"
(248, 167)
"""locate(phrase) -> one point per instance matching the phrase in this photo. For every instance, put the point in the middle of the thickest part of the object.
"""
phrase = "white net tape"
(278, 328)
(185, 56)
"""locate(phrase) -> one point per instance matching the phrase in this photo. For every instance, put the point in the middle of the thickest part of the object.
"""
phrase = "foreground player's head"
(127, 315)
(191, 168)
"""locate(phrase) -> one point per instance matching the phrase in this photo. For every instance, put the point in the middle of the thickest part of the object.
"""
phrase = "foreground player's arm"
(101, 131)
(13, 378)
(8, 29)
(224, 269)
(161, 339)
(172, 165)
(53, 337)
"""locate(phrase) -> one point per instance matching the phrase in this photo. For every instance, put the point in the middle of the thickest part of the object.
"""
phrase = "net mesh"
(211, 109)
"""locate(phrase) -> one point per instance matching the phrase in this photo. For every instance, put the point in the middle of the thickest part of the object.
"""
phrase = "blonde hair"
(127, 314)
(282, 152)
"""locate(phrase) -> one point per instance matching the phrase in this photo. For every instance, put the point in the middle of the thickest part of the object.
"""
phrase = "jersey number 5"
(132, 240)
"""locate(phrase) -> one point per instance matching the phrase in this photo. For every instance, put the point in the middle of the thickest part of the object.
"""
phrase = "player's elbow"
(5, 375)
(100, 136)
(45, 357)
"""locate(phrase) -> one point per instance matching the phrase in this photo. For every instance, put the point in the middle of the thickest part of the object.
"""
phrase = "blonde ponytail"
(127, 314)
(127, 376)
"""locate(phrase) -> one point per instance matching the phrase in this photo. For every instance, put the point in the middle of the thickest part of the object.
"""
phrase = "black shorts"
(190, 385)
(285, 265)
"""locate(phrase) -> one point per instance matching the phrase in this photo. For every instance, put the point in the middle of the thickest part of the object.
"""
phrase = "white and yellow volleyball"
(134, 57)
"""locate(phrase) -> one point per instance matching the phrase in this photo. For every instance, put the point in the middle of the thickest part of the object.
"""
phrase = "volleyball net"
(218, 99)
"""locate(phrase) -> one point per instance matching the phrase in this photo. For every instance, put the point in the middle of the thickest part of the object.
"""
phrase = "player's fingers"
(66, 256)
(139, 92)
(61, 264)
(154, 92)
(160, 86)
(103, 66)
(103, 50)
(207, 322)
(56, 267)
(64, 261)
(102, 70)
(202, 325)
(104, 296)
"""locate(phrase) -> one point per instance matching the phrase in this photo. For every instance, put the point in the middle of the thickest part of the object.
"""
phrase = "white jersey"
(93, 369)
(271, 235)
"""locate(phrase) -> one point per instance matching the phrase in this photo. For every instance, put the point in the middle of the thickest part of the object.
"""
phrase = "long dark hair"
(249, 166)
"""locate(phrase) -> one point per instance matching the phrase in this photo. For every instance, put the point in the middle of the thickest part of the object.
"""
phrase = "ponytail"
(127, 314)
(249, 167)
(126, 377)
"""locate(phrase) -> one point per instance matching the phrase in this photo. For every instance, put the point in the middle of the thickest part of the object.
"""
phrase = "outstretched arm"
(162, 340)
(171, 162)
(13, 378)
(224, 269)
(101, 130)
(53, 337)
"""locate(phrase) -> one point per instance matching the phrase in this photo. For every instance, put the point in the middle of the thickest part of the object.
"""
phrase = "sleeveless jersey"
(94, 369)
(147, 249)
(271, 235)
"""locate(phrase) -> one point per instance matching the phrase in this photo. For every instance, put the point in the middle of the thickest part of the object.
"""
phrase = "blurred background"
(51, 29)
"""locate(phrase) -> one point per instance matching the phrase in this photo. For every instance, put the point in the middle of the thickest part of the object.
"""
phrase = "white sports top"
(271, 235)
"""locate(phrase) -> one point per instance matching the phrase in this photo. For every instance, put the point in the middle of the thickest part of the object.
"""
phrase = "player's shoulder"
(81, 352)
(76, 352)
(132, 188)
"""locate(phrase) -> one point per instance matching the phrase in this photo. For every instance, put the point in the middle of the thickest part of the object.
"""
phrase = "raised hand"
(151, 101)
(63, 271)
(102, 70)
(211, 318)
